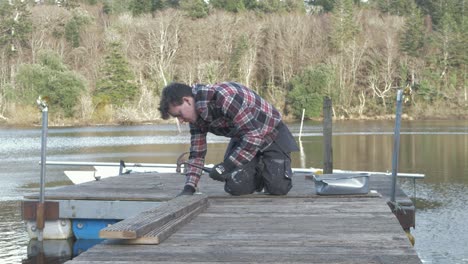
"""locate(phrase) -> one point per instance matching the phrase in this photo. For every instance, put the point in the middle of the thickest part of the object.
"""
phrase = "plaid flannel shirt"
(232, 110)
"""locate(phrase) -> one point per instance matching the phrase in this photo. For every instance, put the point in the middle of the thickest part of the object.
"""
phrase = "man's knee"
(277, 176)
(240, 182)
(277, 189)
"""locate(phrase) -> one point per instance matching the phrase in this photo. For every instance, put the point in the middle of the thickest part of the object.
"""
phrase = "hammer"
(182, 161)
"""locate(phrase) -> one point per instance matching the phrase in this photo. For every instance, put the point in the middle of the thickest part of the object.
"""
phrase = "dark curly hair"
(172, 94)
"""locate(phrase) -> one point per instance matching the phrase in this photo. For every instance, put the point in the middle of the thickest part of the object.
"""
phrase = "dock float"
(300, 227)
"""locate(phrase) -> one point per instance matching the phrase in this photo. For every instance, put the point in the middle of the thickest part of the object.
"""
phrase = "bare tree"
(152, 45)
(382, 60)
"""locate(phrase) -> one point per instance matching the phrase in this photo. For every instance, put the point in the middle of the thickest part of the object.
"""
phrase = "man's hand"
(220, 171)
(188, 190)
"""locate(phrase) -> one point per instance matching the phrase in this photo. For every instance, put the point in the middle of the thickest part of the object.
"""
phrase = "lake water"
(439, 149)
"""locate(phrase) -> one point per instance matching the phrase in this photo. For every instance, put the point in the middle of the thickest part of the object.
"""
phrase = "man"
(258, 155)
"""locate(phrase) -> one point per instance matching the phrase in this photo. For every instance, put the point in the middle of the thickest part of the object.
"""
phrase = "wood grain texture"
(147, 221)
(271, 230)
(158, 235)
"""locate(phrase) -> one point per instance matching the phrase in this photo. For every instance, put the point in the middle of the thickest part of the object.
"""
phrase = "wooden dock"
(298, 228)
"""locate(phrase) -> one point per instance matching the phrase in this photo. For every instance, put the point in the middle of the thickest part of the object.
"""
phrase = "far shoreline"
(70, 123)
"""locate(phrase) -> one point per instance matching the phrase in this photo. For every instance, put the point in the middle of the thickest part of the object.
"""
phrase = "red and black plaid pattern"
(232, 110)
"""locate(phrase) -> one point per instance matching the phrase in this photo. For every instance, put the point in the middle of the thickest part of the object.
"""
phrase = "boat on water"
(109, 169)
(100, 172)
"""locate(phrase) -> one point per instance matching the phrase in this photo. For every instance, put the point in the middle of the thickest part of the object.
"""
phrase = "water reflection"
(441, 229)
(57, 251)
(426, 204)
(12, 238)
(49, 251)
(81, 245)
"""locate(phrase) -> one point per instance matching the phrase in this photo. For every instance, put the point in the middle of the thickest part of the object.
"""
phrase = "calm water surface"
(438, 149)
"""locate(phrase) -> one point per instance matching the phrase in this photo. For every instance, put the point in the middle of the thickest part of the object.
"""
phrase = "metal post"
(40, 210)
(121, 167)
(396, 143)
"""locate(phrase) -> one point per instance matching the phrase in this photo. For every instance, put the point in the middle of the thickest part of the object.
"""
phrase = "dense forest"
(104, 61)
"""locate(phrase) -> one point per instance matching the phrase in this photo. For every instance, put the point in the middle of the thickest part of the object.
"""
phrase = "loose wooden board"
(147, 221)
(158, 235)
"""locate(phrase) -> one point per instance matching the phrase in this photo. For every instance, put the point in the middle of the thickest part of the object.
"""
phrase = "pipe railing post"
(396, 144)
(40, 209)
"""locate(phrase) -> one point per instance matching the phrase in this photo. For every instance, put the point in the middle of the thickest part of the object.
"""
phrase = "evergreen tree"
(139, 7)
(383, 6)
(228, 5)
(344, 28)
(395, 7)
(116, 84)
(451, 56)
(295, 6)
(250, 4)
(116, 7)
(446, 38)
(271, 6)
(195, 8)
(308, 89)
(15, 26)
(326, 5)
(74, 26)
(457, 9)
(240, 49)
(437, 8)
(412, 40)
(401, 7)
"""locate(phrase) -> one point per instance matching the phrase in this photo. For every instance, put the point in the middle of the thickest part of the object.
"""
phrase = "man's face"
(186, 111)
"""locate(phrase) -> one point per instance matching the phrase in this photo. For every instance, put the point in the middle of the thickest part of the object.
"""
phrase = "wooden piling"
(327, 136)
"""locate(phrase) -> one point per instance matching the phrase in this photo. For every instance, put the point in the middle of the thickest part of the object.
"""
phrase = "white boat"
(100, 172)
(105, 170)
(78, 177)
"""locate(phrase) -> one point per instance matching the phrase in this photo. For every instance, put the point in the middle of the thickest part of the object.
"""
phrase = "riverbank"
(80, 123)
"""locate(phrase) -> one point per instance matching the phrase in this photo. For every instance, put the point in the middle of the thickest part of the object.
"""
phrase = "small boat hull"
(101, 172)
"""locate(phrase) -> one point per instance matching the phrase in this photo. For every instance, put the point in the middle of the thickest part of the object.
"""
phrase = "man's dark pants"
(270, 169)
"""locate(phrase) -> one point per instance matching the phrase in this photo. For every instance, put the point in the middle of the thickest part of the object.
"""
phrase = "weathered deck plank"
(271, 230)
